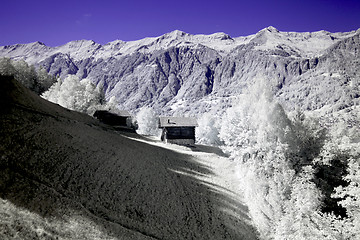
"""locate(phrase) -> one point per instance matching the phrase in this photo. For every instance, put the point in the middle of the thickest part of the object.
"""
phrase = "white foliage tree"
(351, 199)
(147, 121)
(256, 121)
(82, 96)
(6, 67)
(271, 150)
(44, 79)
(254, 133)
(26, 75)
(208, 130)
(36, 80)
(301, 211)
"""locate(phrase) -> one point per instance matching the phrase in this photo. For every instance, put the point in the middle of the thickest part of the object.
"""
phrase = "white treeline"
(283, 165)
(72, 93)
(37, 80)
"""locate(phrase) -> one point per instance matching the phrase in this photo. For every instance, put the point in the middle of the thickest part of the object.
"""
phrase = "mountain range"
(180, 73)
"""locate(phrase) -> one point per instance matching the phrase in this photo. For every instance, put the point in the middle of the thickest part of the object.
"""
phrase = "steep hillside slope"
(64, 175)
(183, 73)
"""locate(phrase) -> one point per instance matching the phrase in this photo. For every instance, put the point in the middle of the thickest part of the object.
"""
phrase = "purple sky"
(58, 22)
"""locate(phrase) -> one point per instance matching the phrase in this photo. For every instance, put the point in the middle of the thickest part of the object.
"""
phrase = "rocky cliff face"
(183, 73)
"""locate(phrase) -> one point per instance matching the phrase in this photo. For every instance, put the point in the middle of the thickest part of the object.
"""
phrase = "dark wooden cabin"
(178, 130)
(121, 118)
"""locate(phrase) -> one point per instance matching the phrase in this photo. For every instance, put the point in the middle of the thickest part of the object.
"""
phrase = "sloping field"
(64, 175)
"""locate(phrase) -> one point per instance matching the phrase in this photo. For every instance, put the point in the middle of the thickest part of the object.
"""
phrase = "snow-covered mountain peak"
(28, 52)
(114, 44)
(79, 49)
(304, 44)
(270, 29)
(176, 34)
(270, 39)
(219, 36)
(143, 45)
(172, 38)
(218, 41)
(80, 44)
(37, 43)
(26, 45)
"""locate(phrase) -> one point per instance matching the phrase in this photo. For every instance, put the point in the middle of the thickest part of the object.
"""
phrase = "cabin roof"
(177, 122)
(123, 113)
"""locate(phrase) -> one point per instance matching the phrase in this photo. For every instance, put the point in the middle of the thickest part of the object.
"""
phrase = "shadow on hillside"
(209, 149)
(57, 166)
(194, 148)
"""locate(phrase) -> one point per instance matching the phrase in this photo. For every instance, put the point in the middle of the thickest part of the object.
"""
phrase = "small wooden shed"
(178, 130)
(120, 118)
